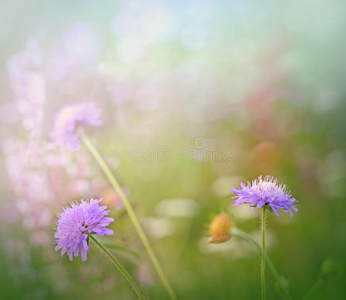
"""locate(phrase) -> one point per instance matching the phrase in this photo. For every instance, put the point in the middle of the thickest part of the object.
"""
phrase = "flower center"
(265, 186)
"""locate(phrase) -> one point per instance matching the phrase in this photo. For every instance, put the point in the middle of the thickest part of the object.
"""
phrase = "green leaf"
(117, 247)
(330, 268)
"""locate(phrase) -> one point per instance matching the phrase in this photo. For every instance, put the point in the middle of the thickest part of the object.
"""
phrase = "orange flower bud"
(219, 228)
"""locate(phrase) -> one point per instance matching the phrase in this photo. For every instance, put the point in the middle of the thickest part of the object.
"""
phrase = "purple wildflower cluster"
(265, 191)
(76, 222)
(70, 117)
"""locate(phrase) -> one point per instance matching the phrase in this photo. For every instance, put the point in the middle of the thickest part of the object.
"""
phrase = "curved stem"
(118, 265)
(283, 288)
(263, 255)
(130, 212)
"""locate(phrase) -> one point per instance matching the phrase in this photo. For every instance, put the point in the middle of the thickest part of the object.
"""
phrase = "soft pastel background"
(263, 79)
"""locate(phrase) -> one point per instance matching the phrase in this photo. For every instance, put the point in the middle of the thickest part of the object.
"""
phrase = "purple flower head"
(69, 119)
(76, 222)
(265, 191)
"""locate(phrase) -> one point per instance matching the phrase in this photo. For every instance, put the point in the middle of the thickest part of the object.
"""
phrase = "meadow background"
(262, 79)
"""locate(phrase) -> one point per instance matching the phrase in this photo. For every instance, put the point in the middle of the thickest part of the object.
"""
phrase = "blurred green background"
(263, 81)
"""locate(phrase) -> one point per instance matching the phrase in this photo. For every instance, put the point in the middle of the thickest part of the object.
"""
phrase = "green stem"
(118, 265)
(130, 212)
(314, 288)
(280, 281)
(263, 278)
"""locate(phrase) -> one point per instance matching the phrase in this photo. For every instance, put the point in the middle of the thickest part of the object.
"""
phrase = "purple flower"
(265, 191)
(69, 119)
(75, 223)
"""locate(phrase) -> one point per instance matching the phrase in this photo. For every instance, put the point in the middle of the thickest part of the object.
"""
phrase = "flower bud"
(219, 228)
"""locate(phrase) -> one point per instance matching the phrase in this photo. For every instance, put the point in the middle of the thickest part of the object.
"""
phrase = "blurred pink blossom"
(112, 199)
(37, 171)
(28, 85)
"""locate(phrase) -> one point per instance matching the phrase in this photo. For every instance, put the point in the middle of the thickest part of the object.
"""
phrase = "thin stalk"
(130, 212)
(317, 284)
(118, 265)
(279, 281)
(263, 277)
